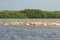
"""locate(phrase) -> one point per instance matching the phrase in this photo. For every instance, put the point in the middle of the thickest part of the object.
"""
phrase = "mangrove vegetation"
(29, 13)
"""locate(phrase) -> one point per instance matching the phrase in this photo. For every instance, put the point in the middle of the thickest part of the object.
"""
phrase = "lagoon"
(29, 32)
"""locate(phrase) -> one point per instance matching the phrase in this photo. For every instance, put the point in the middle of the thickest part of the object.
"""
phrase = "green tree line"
(29, 13)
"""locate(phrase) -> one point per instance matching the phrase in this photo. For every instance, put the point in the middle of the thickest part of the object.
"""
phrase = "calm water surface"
(29, 32)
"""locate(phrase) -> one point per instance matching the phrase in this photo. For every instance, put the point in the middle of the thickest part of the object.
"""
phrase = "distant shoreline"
(29, 13)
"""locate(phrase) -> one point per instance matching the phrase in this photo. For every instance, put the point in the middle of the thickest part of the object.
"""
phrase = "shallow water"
(29, 33)
(44, 20)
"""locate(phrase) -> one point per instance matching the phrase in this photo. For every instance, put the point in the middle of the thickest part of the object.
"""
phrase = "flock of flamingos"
(32, 23)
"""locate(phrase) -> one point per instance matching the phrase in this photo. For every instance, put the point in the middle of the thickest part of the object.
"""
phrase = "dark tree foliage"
(29, 13)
